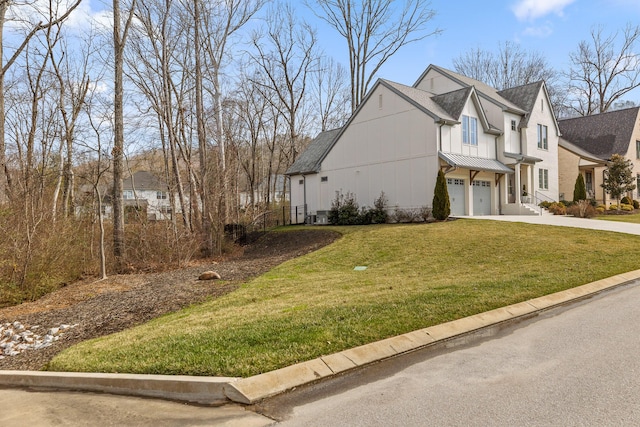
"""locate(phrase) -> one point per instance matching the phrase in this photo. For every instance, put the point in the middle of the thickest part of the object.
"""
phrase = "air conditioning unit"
(321, 217)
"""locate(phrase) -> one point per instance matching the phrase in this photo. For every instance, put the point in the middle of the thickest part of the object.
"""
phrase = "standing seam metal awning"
(474, 163)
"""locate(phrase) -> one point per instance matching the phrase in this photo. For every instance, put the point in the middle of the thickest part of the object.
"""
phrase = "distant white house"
(278, 191)
(145, 193)
(498, 149)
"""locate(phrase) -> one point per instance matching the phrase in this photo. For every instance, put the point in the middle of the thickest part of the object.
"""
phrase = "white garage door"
(482, 197)
(455, 187)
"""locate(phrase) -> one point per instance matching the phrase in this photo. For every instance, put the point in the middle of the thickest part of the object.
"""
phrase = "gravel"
(97, 308)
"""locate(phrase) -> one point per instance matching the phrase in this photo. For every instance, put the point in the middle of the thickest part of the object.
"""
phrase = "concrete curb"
(220, 390)
(201, 390)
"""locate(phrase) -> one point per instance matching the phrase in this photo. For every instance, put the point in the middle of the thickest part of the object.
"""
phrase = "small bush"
(426, 213)
(613, 207)
(626, 208)
(557, 208)
(405, 215)
(582, 209)
(626, 201)
(345, 211)
(545, 204)
(600, 210)
(636, 204)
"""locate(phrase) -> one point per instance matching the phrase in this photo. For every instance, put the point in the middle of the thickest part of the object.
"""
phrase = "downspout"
(499, 185)
(304, 197)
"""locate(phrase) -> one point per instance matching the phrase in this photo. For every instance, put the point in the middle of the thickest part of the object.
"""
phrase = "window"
(301, 182)
(542, 137)
(638, 182)
(588, 180)
(469, 130)
(324, 179)
(513, 125)
(127, 195)
(637, 149)
(161, 195)
(543, 179)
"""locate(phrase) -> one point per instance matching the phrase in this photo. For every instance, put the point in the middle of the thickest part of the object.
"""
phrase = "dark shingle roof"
(453, 102)
(602, 134)
(482, 88)
(524, 97)
(310, 159)
(144, 180)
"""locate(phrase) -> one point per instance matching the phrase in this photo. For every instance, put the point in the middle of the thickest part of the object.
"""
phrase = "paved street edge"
(221, 390)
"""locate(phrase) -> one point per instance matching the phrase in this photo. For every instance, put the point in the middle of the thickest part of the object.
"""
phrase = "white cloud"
(82, 18)
(541, 31)
(528, 10)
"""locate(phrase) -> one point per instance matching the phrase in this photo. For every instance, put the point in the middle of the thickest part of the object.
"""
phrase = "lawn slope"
(416, 276)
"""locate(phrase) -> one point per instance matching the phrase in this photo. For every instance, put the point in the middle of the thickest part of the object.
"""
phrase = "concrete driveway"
(565, 221)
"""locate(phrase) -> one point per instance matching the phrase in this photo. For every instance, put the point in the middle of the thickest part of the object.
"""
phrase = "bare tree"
(330, 94)
(73, 90)
(509, 67)
(119, 39)
(374, 31)
(603, 70)
(5, 66)
(285, 56)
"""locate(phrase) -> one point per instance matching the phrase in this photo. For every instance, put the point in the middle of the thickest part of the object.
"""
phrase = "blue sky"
(553, 28)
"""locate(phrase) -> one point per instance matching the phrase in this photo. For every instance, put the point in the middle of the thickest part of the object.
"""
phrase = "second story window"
(513, 125)
(127, 195)
(542, 137)
(161, 195)
(469, 130)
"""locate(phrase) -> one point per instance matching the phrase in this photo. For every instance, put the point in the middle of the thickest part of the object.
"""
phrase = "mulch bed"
(122, 301)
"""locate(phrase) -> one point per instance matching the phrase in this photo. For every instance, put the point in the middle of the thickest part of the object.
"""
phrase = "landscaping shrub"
(426, 213)
(441, 203)
(580, 189)
(626, 201)
(636, 204)
(557, 208)
(545, 204)
(600, 210)
(405, 215)
(345, 211)
(626, 208)
(582, 209)
(378, 214)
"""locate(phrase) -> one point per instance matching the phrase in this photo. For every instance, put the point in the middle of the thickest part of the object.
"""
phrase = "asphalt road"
(578, 366)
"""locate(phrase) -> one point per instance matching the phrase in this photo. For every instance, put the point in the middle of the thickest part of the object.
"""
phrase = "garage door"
(482, 197)
(455, 187)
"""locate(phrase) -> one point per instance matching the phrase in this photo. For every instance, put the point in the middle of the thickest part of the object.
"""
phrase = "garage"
(455, 187)
(481, 197)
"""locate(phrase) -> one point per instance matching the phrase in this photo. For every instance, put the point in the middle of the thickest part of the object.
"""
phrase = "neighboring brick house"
(588, 142)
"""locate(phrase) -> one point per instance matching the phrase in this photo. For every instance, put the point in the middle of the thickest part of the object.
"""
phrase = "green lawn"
(635, 218)
(416, 276)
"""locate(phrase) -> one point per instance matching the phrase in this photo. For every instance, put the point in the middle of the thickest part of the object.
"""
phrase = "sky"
(553, 28)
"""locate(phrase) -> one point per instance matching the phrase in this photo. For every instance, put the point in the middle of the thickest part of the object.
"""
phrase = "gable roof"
(483, 89)
(602, 134)
(579, 151)
(453, 102)
(422, 99)
(143, 180)
(525, 97)
(311, 158)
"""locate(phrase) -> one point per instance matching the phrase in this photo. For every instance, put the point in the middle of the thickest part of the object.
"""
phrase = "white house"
(144, 192)
(498, 149)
